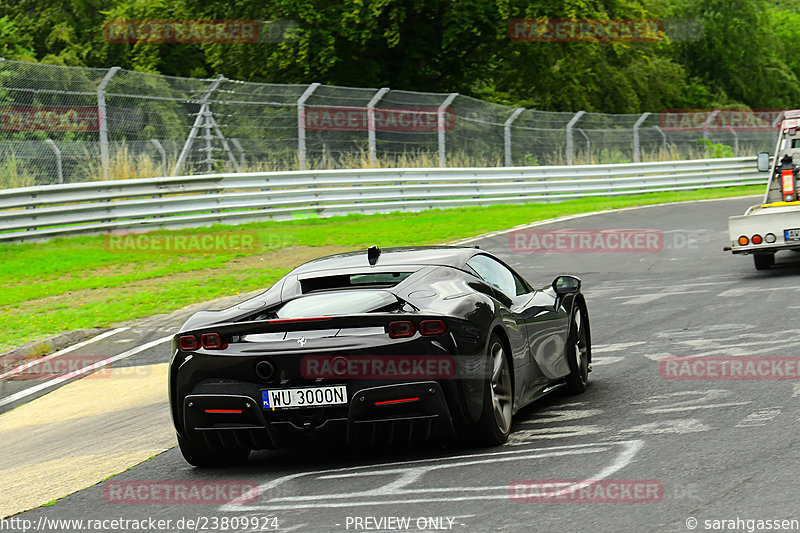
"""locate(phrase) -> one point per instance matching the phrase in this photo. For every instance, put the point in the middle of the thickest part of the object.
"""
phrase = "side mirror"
(566, 285)
(763, 162)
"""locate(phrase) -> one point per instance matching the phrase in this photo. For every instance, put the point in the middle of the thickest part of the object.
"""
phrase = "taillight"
(398, 330)
(756, 239)
(770, 238)
(431, 327)
(187, 343)
(211, 341)
(743, 241)
(787, 177)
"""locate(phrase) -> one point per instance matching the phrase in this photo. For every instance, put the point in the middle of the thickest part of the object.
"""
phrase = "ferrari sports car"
(398, 345)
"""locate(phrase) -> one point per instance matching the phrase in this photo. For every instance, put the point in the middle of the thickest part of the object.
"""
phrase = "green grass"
(77, 282)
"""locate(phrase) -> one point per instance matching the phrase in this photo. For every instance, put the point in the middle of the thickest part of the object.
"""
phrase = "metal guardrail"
(43, 212)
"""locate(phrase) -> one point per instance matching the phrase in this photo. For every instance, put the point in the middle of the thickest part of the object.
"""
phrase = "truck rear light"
(756, 239)
(187, 343)
(787, 178)
(769, 237)
(211, 341)
(743, 241)
(401, 329)
(431, 327)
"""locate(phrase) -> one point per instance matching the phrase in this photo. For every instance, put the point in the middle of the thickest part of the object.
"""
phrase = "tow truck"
(774, 224)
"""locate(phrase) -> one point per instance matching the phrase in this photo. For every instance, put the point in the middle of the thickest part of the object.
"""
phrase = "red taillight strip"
(304, 319)
(228, 411)
(401, 400)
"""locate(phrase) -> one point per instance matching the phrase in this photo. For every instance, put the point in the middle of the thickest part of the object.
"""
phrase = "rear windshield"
(346, 281)
(337, 303)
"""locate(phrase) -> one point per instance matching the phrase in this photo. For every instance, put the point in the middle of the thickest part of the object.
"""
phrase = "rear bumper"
(761, 221)
(366, 420)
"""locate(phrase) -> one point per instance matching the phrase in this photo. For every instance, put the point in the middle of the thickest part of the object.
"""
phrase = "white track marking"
(795, 390)
(96, 366)
(396, 492)
(463, 242)
(59, 353)
(615, 346)
(605, 360)
(685, 425)
(760, 417)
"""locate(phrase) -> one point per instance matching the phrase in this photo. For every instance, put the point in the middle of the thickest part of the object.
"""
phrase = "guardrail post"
(570, 142)
(441, 128)
(201, 115)
(163, 154)
(637, 155)
(507, 134)
(301, 124)
(57, 153)
(373, 150)
(102, 122)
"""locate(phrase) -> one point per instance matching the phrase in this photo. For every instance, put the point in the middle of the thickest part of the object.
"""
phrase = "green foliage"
(714, 150)
(731, 52)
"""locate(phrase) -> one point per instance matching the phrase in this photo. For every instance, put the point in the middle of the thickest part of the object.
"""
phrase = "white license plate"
(791, 234)
(304, 397)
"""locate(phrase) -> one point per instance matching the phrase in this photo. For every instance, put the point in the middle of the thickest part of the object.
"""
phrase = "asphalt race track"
(716, 449)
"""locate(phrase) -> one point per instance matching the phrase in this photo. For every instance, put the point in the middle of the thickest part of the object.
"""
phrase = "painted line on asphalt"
(397, 492)
(463, 242)
(59, 353)
(96, 366)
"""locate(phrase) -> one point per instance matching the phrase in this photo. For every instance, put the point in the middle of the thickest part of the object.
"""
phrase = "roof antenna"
(373, 252)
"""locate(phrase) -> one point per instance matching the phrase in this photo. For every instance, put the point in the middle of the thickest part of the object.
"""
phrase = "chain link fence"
(68, 124)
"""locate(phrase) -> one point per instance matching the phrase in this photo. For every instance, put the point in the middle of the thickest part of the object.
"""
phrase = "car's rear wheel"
(203, 457)
(577, 352)
(494, 424)
(763, 261)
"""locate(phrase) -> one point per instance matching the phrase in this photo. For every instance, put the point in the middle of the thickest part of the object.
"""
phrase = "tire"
(494, 425)
(203, 457)
(578, 351)
(763, 261)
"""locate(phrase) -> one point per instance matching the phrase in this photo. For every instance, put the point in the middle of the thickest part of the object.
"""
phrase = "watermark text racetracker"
(742, 368)
(604, 241)
(201, 242)
(586, 491)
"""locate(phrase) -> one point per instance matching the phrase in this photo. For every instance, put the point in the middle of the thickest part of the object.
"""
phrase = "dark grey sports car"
(404, 344)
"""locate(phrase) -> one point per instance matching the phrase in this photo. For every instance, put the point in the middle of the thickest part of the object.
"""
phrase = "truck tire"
(763, 261)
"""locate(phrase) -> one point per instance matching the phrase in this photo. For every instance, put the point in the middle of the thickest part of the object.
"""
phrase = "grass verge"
(80, 282)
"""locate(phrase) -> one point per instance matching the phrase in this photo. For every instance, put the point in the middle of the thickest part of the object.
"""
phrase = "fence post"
(163, 153)
(441, 128)
(570, 142)
(373, 155)
(57, 153)
(707, 122)
(588, 145)
(301, 125)
(507, 133)
(637, 155)
(101, 119)
(735, 141)
(197, 122)
(663, 138)
(238, 146)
